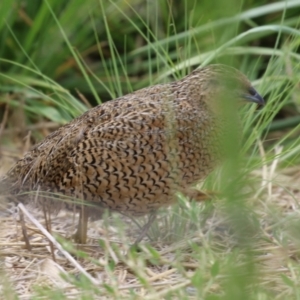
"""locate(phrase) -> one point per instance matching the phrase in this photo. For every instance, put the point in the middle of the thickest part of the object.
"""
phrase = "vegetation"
(58, 58)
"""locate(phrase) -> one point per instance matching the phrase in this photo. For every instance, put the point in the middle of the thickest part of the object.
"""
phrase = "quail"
(132, 154)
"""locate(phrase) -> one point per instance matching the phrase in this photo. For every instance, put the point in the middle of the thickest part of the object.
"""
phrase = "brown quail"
(134, 153)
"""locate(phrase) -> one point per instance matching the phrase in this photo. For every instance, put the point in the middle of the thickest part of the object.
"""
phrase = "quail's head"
(221, 81)
(222, 89)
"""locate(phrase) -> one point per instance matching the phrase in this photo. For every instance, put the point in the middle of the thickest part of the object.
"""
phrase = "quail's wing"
(123, 163)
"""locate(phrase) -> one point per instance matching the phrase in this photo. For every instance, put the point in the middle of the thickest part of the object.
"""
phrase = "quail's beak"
(254, 96)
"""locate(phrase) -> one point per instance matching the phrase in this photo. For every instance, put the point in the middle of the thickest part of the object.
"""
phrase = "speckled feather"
(133, 153)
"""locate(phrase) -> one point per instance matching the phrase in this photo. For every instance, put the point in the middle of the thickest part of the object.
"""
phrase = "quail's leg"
(146, 227)
(81, 234)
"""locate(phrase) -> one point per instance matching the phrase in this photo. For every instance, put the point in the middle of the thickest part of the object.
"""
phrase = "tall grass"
(243, 244)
